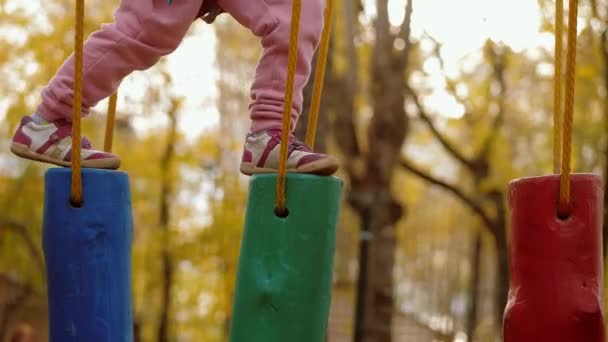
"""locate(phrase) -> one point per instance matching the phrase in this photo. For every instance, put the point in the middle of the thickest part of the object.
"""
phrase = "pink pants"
(146, 30)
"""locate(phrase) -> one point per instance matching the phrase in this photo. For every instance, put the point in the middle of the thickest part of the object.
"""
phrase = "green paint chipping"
(284, 280)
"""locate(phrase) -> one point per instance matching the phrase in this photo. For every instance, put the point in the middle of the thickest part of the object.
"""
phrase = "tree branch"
(405, 32)
(486, 146)
(450, 84)
(454, 190)
(449, 147)
(4, 279)
(344, 89)
(498, 63)
(22, 232)
(594, 12)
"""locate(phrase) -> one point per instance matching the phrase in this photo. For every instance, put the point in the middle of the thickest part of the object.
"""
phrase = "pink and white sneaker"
(52, 143)
(261, 155)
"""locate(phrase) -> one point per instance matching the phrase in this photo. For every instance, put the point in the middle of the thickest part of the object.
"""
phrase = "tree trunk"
(370, 173)
(386, 135)
(382, 264)
(502, 254)
(323, 123)
(605, 227)
(137, 331)
(167, 272)
(502, 275)
(360, 304)
(604, 47)
(474, 286)
(375, 302)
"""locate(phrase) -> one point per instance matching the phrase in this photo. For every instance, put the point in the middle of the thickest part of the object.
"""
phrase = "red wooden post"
(556, 289)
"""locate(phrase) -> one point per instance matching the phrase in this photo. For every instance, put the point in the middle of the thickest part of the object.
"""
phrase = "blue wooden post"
(88, 257)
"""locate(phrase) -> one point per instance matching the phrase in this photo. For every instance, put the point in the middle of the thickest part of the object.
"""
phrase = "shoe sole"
(322, 167)
(24, 152)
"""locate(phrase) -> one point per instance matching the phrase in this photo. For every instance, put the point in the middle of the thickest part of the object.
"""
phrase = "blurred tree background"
(428, 143)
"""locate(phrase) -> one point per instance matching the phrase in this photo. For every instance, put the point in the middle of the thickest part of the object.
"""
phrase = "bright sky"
(462, 26)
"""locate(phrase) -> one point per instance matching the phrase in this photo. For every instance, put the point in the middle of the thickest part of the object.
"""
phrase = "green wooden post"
(284, 280)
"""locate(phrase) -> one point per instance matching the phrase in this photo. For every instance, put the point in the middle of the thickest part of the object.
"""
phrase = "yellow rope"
(557, 86)
(564, 193)
(76, 193)
(110, 123)
(291, 72)
(313, 116)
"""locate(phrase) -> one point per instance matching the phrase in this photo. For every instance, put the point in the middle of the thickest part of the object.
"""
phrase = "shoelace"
(294, 143)
(298, 145)
(85, 143)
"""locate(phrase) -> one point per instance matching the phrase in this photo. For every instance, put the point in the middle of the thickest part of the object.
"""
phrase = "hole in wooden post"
(76, 204)
(564, 211)
(282, 213)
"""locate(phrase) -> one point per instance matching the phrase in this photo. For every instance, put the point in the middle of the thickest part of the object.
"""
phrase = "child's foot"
(52, 143)
(261, 155)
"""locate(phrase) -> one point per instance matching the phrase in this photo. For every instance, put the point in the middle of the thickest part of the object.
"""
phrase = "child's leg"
(270, 20)
(142, 33)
